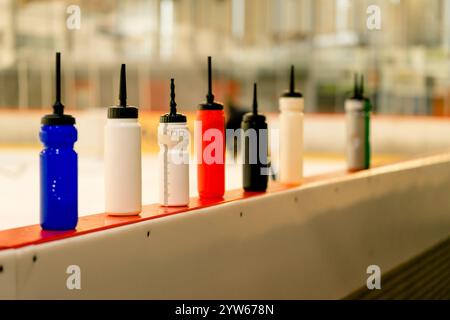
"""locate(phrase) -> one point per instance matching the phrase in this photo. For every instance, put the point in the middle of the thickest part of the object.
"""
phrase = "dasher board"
(314, 241)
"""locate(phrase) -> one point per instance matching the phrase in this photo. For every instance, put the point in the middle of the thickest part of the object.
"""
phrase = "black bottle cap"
(210, 103)
(122, 111)
(58, 118)
(254, 116)
(292, 93)
(172, 116)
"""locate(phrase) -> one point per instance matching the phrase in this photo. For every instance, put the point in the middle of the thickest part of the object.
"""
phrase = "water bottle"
(256, 149)
(357, 115)
(123, 175)
(58, 166)
(291, 135)
(210, 146)
(173, 156)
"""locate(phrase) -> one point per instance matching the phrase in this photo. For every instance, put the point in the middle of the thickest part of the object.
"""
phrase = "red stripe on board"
(30, 235)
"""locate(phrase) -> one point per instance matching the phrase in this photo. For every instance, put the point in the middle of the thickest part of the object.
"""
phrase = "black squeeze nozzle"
(173, 116)
(361, 86)
(123, 86)
(209, 96)
(173, 104)
(58, 117)
(291, 93)
(210, 104)
(358, 87)
(255, 100)
(122, 110)
(292, 83)
(58, 107)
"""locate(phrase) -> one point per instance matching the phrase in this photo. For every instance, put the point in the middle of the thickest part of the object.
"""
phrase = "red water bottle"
(210, 144)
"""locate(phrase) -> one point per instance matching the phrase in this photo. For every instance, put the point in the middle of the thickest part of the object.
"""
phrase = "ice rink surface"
(19, 183)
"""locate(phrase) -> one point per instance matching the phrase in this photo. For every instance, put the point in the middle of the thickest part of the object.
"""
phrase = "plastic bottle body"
(256, 145)
(173, 163)
(123, 174)
(291, 140)
(357, 135)
(210, 149)
(59, 177)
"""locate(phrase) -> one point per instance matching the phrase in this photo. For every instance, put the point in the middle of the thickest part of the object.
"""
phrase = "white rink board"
(314, 241)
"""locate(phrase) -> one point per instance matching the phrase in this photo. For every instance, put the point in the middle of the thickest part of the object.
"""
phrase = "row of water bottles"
(122, 154)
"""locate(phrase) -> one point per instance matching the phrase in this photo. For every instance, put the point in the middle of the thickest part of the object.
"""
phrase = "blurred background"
(406, 63)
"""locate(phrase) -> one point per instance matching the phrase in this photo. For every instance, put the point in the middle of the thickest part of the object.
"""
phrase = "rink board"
(313, 241)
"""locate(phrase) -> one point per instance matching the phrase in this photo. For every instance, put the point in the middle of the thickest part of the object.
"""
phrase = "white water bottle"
(123, 176)
(291, 135)
(173, 157)
(357, 116)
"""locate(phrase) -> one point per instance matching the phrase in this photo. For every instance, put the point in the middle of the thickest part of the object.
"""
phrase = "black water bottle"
(255, 141)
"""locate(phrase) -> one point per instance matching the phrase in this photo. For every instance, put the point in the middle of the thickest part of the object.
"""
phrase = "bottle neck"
(122, 120)
(354, 105)
(58, 136)
(291, 104)
(174, 124)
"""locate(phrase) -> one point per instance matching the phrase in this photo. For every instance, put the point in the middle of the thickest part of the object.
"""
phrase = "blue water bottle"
(59, 166)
